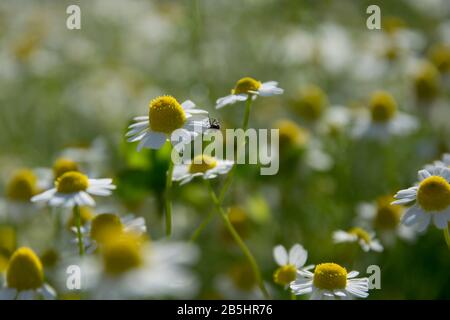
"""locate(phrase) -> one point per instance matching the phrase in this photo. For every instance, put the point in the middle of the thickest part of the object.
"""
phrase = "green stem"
(292, 294)
(447, 237)
(77, 215)
(238, 241)
(168, 200)
(202, 226)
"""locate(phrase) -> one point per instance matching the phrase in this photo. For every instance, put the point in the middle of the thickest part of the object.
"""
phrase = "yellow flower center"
(166, 114)
(388, 215)
(246, 85)
(426, 82)
(242, 276)
(104, 226)
(330, 276)
(440, 56)
(202, 163)
(22, 186)
(360, 233)
(122, 255)
(24, 270)
(8, 240)
(311, 103)
(434, 194)
(71, 182)
(290, 134)
(382, 107)
(285, 274)
(63, 165)
(86, 215)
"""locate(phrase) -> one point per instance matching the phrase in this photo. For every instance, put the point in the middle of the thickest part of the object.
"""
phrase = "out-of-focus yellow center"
(311, 103)
(86, 215)
(50, 258)
(361, 234)
(246, 85)
(63, 165)
(104, 226)
(440, 57)
(284, 275)
(122, 254)
(382, 107)
(24, 270)
(290, 134)
(8, 240)
(242, 276)
(388, 215)
(166, 114)
(434, 194)
(22, 186)
(427, 82)
(330, 276)
(71, 182)
(202, 163)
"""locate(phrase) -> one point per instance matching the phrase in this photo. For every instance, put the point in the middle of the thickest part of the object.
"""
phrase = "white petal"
(45, 196)
(154, 140)
(298, 255)
(280, 255)
(188, 104)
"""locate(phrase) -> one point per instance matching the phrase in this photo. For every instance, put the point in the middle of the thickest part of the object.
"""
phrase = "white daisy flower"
(383, 119)
(431, 198)
(201, 166)
(385, 218)
(289, 263)
(25, 278)
(365, 239)
(130, 268)
(102, 225)
(249, 86)
(165, 116)
(330, 281)
(75, 189)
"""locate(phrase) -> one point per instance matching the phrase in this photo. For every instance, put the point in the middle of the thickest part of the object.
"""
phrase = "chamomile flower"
(431, 198)
(385, 218)
(165, 116)
(129, 268)
(201, 166)
(75, 189)
(246, 87)
(444, 162)
(383, 119)
(288, 263)
(103, 225)
(25, 278)
(363, 237)
(330, 281)
(311, 103)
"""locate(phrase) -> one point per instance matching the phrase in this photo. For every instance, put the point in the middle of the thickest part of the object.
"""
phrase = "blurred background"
(74, 92)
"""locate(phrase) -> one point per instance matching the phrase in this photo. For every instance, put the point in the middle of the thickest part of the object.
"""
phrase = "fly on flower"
(165, 116)
(246, 87)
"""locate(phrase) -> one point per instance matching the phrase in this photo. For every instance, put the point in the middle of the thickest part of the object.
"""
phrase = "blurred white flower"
(364, 238)
(201, 166)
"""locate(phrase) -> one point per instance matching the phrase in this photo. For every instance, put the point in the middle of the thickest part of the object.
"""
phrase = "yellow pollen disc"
(202, 163)
(121, 255)
(246, 85)
(104, 226)
(63, 165)
(71, 182)
(393, 24)
(361, 234)
(311, 103)
(24, 270)
(382, 106)
(166, 114)
(290, 134)
(426, 82)
(242, 276)
(8, 240)
(330, 276)
(388, 215)
(22, 186)
(285, 274)
(86, 215)
(434, 194)
(440, 57)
